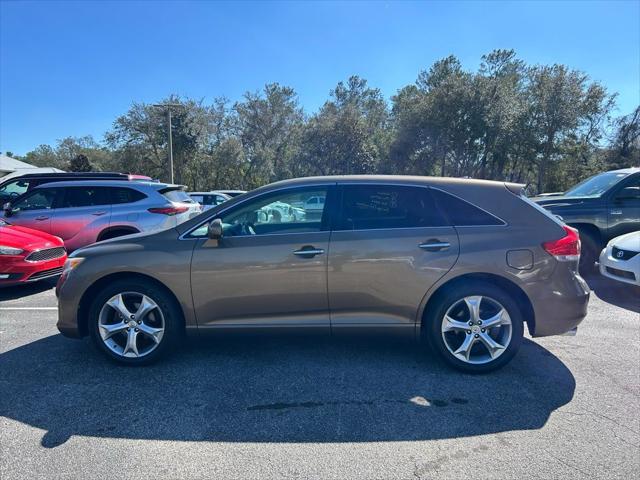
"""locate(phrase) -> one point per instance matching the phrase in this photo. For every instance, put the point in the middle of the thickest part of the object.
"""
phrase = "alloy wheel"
(131, 324)
(476, 329)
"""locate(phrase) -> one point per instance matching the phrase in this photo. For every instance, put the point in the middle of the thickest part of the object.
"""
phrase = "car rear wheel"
(589, 252)
(134, 323)
(475, 328)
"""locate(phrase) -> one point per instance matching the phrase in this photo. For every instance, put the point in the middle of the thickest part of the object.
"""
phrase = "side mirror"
(214, 229)
(7, 209)
(628, 193)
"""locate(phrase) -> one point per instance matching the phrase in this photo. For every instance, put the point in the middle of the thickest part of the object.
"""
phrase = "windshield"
(596, 185)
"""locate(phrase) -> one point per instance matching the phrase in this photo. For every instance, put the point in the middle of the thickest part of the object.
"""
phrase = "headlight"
(4, 250)
(70, 264)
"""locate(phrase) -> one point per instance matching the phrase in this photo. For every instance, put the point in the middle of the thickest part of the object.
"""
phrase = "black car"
(601, 207)
(13, 187)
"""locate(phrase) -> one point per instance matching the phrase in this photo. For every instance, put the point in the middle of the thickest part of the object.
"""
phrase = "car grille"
(619, 254)
(52, 272)
(621, 273)
(46, 254)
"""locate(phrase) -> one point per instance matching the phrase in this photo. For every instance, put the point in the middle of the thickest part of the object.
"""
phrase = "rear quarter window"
(462, 213)
(125, 195)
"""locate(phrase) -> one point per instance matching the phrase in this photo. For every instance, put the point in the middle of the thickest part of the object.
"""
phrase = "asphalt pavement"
(310, 407)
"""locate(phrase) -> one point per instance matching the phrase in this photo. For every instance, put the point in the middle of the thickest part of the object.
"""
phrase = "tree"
(544, 125)
(349, 134)
(625, 147)
(268, 124)
(80, 163)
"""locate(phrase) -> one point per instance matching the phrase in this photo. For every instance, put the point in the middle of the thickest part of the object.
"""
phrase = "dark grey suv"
(464, 264)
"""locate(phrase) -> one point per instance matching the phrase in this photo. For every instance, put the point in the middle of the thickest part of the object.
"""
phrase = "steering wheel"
(246, 228)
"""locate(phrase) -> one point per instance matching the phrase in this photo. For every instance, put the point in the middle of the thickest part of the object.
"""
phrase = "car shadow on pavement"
(616, 293)
(20, 291)
(276, 390)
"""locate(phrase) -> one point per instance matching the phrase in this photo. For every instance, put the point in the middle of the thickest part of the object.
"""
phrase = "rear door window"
(366, 207)
(76, 197)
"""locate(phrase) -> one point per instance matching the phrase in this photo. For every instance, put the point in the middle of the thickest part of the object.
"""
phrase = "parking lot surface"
(292, 407)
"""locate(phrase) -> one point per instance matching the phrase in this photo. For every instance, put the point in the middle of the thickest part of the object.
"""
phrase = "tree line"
(544, 125)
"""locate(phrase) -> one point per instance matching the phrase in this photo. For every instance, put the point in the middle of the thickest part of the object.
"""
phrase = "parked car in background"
(462, 263)
(83, 212)
(209, 199)
(314, 203)
(28, 255)
(601, 208)
(12, 187)
(232, 193)
(620, 259)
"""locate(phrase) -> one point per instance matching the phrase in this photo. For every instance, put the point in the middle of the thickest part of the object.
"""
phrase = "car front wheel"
(475, 328)
(134, 323)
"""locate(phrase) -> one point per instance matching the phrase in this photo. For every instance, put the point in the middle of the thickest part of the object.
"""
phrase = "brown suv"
(462, 263)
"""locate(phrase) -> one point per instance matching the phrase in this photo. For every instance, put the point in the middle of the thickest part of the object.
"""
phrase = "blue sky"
(69, 68)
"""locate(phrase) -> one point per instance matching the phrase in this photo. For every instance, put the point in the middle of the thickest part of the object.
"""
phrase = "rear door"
(81, 214)
(35, 209)
(389, 246)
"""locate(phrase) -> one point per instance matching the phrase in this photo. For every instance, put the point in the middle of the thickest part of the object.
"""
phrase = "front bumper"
(627, 271)
(15, 270)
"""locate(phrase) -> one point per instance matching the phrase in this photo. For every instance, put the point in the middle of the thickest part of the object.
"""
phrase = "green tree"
(80, 163)
(268, 124)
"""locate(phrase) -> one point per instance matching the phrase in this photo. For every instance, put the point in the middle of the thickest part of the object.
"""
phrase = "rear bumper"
(560, 304)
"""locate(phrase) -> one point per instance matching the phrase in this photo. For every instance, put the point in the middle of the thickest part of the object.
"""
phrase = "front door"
(270, 267)
(624, 208)
(389, 247)
(34, 209)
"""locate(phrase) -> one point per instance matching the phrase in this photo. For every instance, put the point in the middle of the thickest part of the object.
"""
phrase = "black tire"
(432, 324)
(171, 313)
(589, 253)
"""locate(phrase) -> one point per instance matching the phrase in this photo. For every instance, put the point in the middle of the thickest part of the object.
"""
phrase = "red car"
(28, 255)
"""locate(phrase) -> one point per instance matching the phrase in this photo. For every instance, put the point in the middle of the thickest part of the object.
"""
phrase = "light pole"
(170, 137)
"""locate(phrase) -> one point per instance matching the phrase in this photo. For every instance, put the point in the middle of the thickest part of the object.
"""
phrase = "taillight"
(566, 249)
(169, 210)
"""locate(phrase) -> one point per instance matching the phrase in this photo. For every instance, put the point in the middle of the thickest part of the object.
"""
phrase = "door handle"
(97, 214)
(308, 252)
(42, 218)
(434, 246)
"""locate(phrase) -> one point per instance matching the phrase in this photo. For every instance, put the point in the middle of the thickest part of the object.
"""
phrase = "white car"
(620, 259)
(209, 199)
(315, 203)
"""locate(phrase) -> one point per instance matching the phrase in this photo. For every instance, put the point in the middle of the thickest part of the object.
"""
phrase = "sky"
(70, 68)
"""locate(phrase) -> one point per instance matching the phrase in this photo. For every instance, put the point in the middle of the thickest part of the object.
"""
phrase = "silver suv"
(84, 212)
